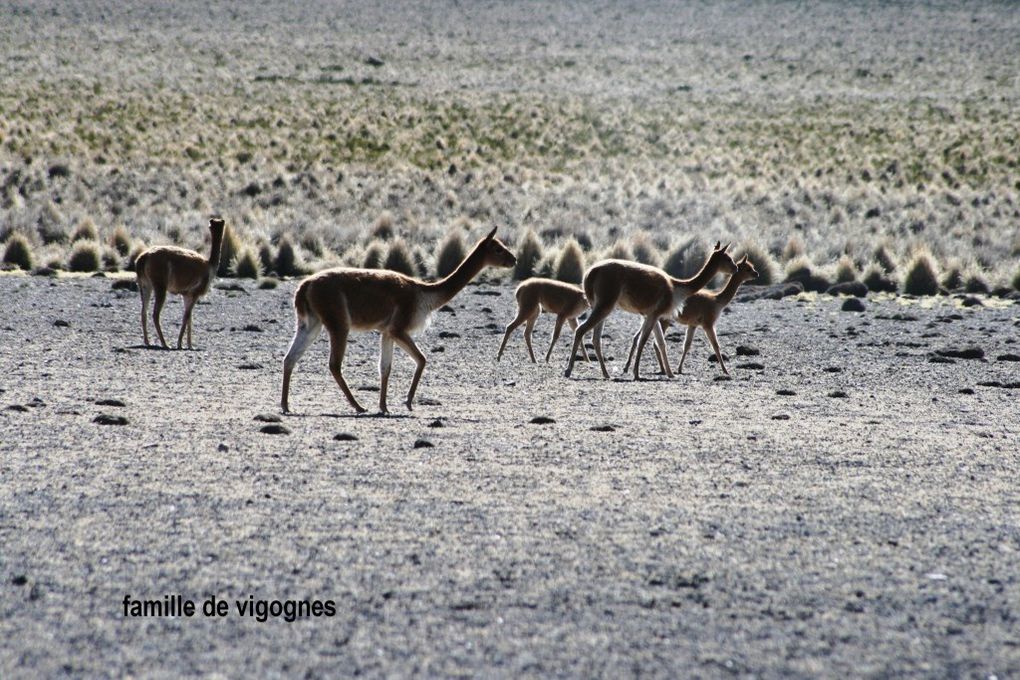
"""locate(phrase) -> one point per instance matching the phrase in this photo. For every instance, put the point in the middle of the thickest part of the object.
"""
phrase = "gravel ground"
(843, 506)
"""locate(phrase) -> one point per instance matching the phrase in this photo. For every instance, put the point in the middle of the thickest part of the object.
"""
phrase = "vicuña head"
(396, 305)
(640, 289)
(164, 269)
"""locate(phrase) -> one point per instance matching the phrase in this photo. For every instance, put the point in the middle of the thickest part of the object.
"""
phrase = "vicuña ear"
(491, 233)
(742, 260)
(717, 243)
(726, 247)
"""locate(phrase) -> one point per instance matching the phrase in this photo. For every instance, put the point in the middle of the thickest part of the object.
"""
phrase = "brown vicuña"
(641, 289)
(164, 269)
(703, 309)
(565, 300)
(396, 305)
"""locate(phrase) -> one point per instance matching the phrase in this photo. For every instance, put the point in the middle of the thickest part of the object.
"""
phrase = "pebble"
(423, 444)
(961, 353)
(267, 418)
(603, 428)
(853, 304)
(106, 419)
(781, 416)
(745, 351)
(345, 437)
(785, 393)
(839, 394)
(274, 429)
(542, 420)
(110, 402)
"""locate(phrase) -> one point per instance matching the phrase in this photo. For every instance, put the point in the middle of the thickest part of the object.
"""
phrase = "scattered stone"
(971, 301)
(252, 328)
(1008, 357)
(345, 437)
(936, 359)
(752, 366)
(222, 448)
(437, 423)
(439, 349)
(19, 580)
(268, 283)
(712, 359)
(426, 401)
(785, 393)
(603, 428)
(375, 62)
(423, 444)
(839, 394)
(125, 284)
(853, 305)
(231, 287)
(44, 271)
(17, 407)
(781, 416)
(110, 402)
(106, 419)
(274, 429)
(854, 288)
(60, 323)
(541, 420)
(250, 367)
(267, 418)
(721, 378)
(745, 351)
(833, 369)
(448, 334)
(996, 383)
(487, 292)
(966, 390)
(447, 309)
(961, 353)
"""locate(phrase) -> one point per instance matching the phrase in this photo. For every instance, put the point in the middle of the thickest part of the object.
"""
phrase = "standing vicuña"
(703, 309)
(565, 300)
(640, 289)
(396, 305)
(171, 269)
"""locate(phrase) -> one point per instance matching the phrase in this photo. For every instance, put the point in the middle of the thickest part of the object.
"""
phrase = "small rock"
(935, 359)
(752, 366)
(853, 305)
(267, 418)
(745, 351)
(222, 448)
(44, 271)
(106, 419)
(274, 429)
(375, 62)
(17, 407)
(252, 328)
(60, 323)
(971, 301)
(603, 428)
(448, 334)
(776, 292)
(1003, 385)
(839, 394)
(1008, 357)
(110, 402)
(345, 437)
(447, 309)
(437, 423)
(19, 580)
(423, 444)
(832, 369)
(721, 378)
(785, 393)
(966, 390)
(854, 288)
(962, 353)
(781, 416)
(541, 420)
(249, 367)
(712, 359)
(125, 284)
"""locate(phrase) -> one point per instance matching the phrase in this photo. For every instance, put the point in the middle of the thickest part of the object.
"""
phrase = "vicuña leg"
(407, 344)
(555, 336)
(710, 332)
(157, 308)
(304, 335)
(385, 363)
(146, 294)
(522, 316)
(596, 339)
(189, 304)
(597, 316)
(529, 328)
(688, 338)
(660, 350)
(646, 330)
(572, 322)
(337, 346)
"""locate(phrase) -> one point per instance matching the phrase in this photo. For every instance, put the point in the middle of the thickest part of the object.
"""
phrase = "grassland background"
(839, 126)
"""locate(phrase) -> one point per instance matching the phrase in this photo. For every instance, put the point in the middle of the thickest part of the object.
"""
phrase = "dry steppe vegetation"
(828, 129)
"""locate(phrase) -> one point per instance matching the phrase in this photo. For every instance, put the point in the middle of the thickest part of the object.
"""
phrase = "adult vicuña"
(396, 305)
(641, 289)
(163, 269)
(565, 300)
(703, 309)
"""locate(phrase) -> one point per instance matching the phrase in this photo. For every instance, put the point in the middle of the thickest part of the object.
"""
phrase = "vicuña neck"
(730, 289)
(699, 280)
(217, 245)
(445, 289)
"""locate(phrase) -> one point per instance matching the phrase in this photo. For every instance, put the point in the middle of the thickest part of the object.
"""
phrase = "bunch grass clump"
(885, 259)
(922, 275)
(121, 240)
(451, 253)
(976, 284)
(246, 265)
(644, 250)
(846, 270)
(383, 229)
(619, 251)
(400, 259)
(763, 263)
(267, 258)
(85, 257)
(111, 259)
(85, 231)
(529, 255)
(374, 254)
(286, 263)
(686, 259)
(18, 252)
(800, 270)
(570, 262)
(877, 281)
(1016, 280)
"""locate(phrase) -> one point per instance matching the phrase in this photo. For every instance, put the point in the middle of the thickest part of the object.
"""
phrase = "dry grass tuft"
(846, 270)
(644, 250)
(400, 259)
(228, 252)
(85, 231)
(451, 253)
(570, 263)
(85, 257)
(246, 265)
(529, 255)
(686, 260)
(763, 262)
(287, 263)
(922, 275)
(121, 240)
(18, 252)
(383, 228)
(374, 254)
